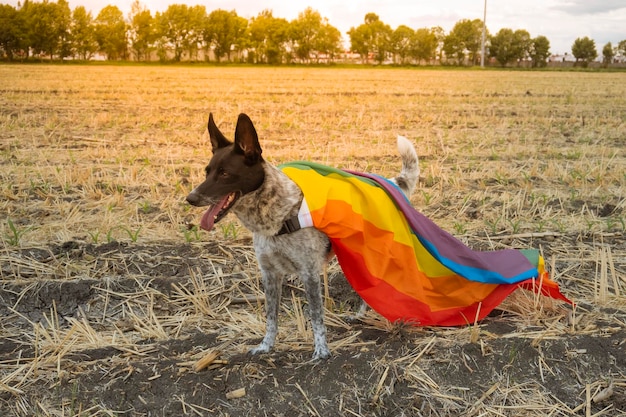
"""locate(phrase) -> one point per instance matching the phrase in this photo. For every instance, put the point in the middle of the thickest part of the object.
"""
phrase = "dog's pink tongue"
(208, 218)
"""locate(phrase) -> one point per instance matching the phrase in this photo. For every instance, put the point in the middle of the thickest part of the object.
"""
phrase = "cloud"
(582, 7)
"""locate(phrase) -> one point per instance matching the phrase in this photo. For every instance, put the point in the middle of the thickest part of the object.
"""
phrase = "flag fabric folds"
(400, 262)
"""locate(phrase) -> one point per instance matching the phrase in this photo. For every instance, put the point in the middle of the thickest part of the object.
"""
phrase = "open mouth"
(218, 210)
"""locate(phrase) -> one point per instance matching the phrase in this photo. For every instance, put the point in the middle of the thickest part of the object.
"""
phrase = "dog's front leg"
(272, 285)
(313, 291)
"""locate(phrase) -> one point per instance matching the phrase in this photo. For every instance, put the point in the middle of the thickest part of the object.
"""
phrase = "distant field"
(104, 155)
(530, 151)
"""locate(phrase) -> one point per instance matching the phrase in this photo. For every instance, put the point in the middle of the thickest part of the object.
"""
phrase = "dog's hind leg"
(272, 284)
(359, 314)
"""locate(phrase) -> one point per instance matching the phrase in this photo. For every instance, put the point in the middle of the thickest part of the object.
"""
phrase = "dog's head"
(235, 169)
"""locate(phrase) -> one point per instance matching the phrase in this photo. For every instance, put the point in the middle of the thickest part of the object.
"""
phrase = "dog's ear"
(246, 140)
(218, 140)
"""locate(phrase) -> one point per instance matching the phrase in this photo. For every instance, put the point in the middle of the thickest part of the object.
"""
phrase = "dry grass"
(97, 155)
(530, 151)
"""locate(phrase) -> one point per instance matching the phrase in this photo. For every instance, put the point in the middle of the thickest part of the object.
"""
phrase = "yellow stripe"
(334, 187)
(337, 187)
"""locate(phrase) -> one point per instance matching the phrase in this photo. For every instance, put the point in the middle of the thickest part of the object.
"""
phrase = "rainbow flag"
(400, 262)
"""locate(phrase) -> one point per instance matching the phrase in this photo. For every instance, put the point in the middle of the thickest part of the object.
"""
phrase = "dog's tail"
(410, 167)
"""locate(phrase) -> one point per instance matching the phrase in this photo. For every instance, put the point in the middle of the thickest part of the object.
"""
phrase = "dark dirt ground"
(509, 365)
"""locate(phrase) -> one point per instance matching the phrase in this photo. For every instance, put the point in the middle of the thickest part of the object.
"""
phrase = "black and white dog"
(264, 198)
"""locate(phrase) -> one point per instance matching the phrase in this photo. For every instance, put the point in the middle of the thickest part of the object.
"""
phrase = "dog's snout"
(193, 199)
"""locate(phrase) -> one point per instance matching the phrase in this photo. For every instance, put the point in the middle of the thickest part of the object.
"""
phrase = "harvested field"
(111, 297)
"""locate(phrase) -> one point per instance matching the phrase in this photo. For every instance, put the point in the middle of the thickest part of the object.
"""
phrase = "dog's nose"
(192, 199)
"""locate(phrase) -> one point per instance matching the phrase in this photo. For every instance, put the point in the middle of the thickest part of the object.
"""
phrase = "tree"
(621, 48)
(180, 27)
(359, 41)
(9, 31)
(381, 36)
(197, 21)
(453, 49)
(111, 33)
(464, 39)
(63, 23)
(607, 54)
(46, 27)
(223, 32)
(440, 35)
(425, 45)
(584, 50)
(501, 46)
(268, 36)
(402, 42)
(373, 36)
(142, 31)
(508, 46)
(304, 32)
(83, 33)
(329, 40)
(522, 43)
(312, 35)
(539, 51)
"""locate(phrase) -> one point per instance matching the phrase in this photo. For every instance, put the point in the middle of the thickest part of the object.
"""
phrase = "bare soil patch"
(125, 341)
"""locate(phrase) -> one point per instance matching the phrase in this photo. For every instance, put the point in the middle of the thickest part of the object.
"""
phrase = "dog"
(239, 180)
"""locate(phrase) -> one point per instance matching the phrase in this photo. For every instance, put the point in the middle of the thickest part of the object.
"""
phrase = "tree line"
(54, 31)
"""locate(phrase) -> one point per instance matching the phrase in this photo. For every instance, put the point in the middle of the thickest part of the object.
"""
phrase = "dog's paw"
(354, 318)
(321, 353)
(261, 348)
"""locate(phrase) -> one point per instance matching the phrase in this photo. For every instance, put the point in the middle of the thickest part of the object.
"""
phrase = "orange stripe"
(338, 219)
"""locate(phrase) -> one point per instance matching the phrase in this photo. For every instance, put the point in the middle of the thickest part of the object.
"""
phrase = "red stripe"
(546, 286)
(394, 305)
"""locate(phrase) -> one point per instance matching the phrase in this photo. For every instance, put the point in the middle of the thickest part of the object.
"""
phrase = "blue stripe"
(476, 274)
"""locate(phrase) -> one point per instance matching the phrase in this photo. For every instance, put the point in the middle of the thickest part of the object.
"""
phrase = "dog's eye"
(221, 172)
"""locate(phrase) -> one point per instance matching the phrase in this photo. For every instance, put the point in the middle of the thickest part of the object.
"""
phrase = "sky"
(561, 21)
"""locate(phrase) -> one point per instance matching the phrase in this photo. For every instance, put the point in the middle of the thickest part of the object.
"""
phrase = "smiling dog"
(266, 201)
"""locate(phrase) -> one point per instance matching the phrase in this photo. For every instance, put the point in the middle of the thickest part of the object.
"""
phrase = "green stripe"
(326, 171)
(532, 255)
